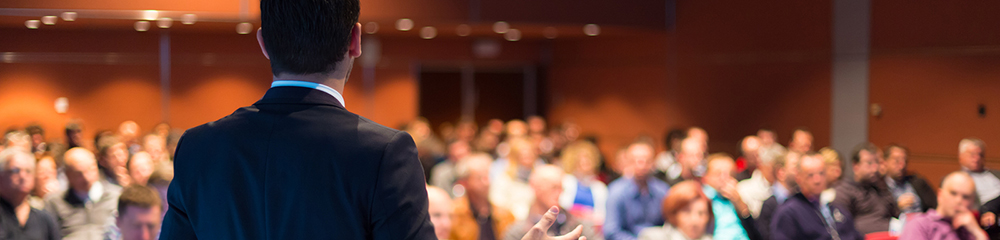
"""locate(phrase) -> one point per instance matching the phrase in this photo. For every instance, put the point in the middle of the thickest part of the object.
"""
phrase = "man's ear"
(354, 50)
(260, 41)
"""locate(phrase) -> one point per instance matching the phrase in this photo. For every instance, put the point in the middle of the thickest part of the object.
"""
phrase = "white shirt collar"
(317, 86)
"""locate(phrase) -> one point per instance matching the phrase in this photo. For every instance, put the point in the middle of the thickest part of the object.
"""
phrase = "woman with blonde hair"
(510, 187)
(583, 194)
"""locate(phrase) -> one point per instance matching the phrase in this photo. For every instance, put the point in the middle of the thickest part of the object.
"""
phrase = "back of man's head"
(307, 37)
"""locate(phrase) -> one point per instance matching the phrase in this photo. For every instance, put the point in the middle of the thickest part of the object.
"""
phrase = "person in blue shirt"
(634, 200)
(732, 215)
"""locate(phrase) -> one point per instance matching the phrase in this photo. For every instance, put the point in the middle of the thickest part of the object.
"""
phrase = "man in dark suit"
(296, 164)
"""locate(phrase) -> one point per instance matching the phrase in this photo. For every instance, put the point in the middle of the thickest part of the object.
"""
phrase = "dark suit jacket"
(296, 165)
(766, 215)
(927, 195)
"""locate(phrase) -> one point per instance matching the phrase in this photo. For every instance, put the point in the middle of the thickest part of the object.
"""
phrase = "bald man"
(750, 149)
(732, 215)
(18, 220)
(86, 208)
(441, 210)
(953, 218)
(546, 182)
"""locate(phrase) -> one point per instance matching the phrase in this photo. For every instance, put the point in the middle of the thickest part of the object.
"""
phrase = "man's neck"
(325, 79)
(479, 204)
(641, 182)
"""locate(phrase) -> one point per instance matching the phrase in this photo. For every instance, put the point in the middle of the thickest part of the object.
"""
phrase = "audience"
(689, 162)
(128, 131)
(48, 192)
(953, 217)
(88, 205)
(139, 215)
(667, 159)
(583, 195)
(834, 166)
(547, 183)
(443, 174)
(750, 149)
(769, 142)
(475, 216)
(509, 187)
(634, 201)
(112, 157)
(802, 140)
(441, 210)
(688, 212)
(45, 182)
(784, 186)
(731, 216)
(866, 196)
(757, 189)
(912, 192)
(18, 220)
(806, 215)
(140, 167)
(971, 154)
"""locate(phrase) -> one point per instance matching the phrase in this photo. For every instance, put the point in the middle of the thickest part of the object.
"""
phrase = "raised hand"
(538, 231)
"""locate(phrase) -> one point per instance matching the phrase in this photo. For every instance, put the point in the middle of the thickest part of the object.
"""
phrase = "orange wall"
(932, 64)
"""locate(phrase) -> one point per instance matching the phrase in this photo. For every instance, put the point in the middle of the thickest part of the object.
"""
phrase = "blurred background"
(923, 74)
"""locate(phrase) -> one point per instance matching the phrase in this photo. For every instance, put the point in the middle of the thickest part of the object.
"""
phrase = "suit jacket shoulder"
(296, 165)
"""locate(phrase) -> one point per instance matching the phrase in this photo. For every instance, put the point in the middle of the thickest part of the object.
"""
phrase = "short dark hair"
(138, 196)
(303, 37)
(34, 129)
(856, 153)
(888, 149)
(675, 133)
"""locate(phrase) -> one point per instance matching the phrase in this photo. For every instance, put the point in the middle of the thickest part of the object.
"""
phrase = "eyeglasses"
(18, 170)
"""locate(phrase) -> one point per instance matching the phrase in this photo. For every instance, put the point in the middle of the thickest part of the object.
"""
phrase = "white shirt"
(987, 185)
(317, 86)
(754, 191)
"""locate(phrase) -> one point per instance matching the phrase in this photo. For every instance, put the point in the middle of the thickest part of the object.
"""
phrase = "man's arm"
(399, 207)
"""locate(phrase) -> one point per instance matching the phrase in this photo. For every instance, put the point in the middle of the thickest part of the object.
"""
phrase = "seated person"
(805, 216)
(866, 196)
(784, 186)
(634, 201)
(85, 209)
(688, 212)
(546, 181)
(584, 195)
(731, 216)
(441, 210)
(18, 220)
(139, 214)
(953, 217)
(475, 216)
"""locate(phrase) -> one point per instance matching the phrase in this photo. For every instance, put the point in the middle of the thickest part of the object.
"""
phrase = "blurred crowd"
(111, 188)
(496, 182)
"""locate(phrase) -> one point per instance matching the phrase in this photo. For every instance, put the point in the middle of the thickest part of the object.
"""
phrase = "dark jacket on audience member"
(39, 225)
(871, 204)
(992, 206)
(296, 165)
(926, 193)
(799, 218)
(766, 215)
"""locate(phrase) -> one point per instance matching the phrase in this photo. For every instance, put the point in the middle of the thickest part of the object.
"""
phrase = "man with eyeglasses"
(18, 220)
(867, 197)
